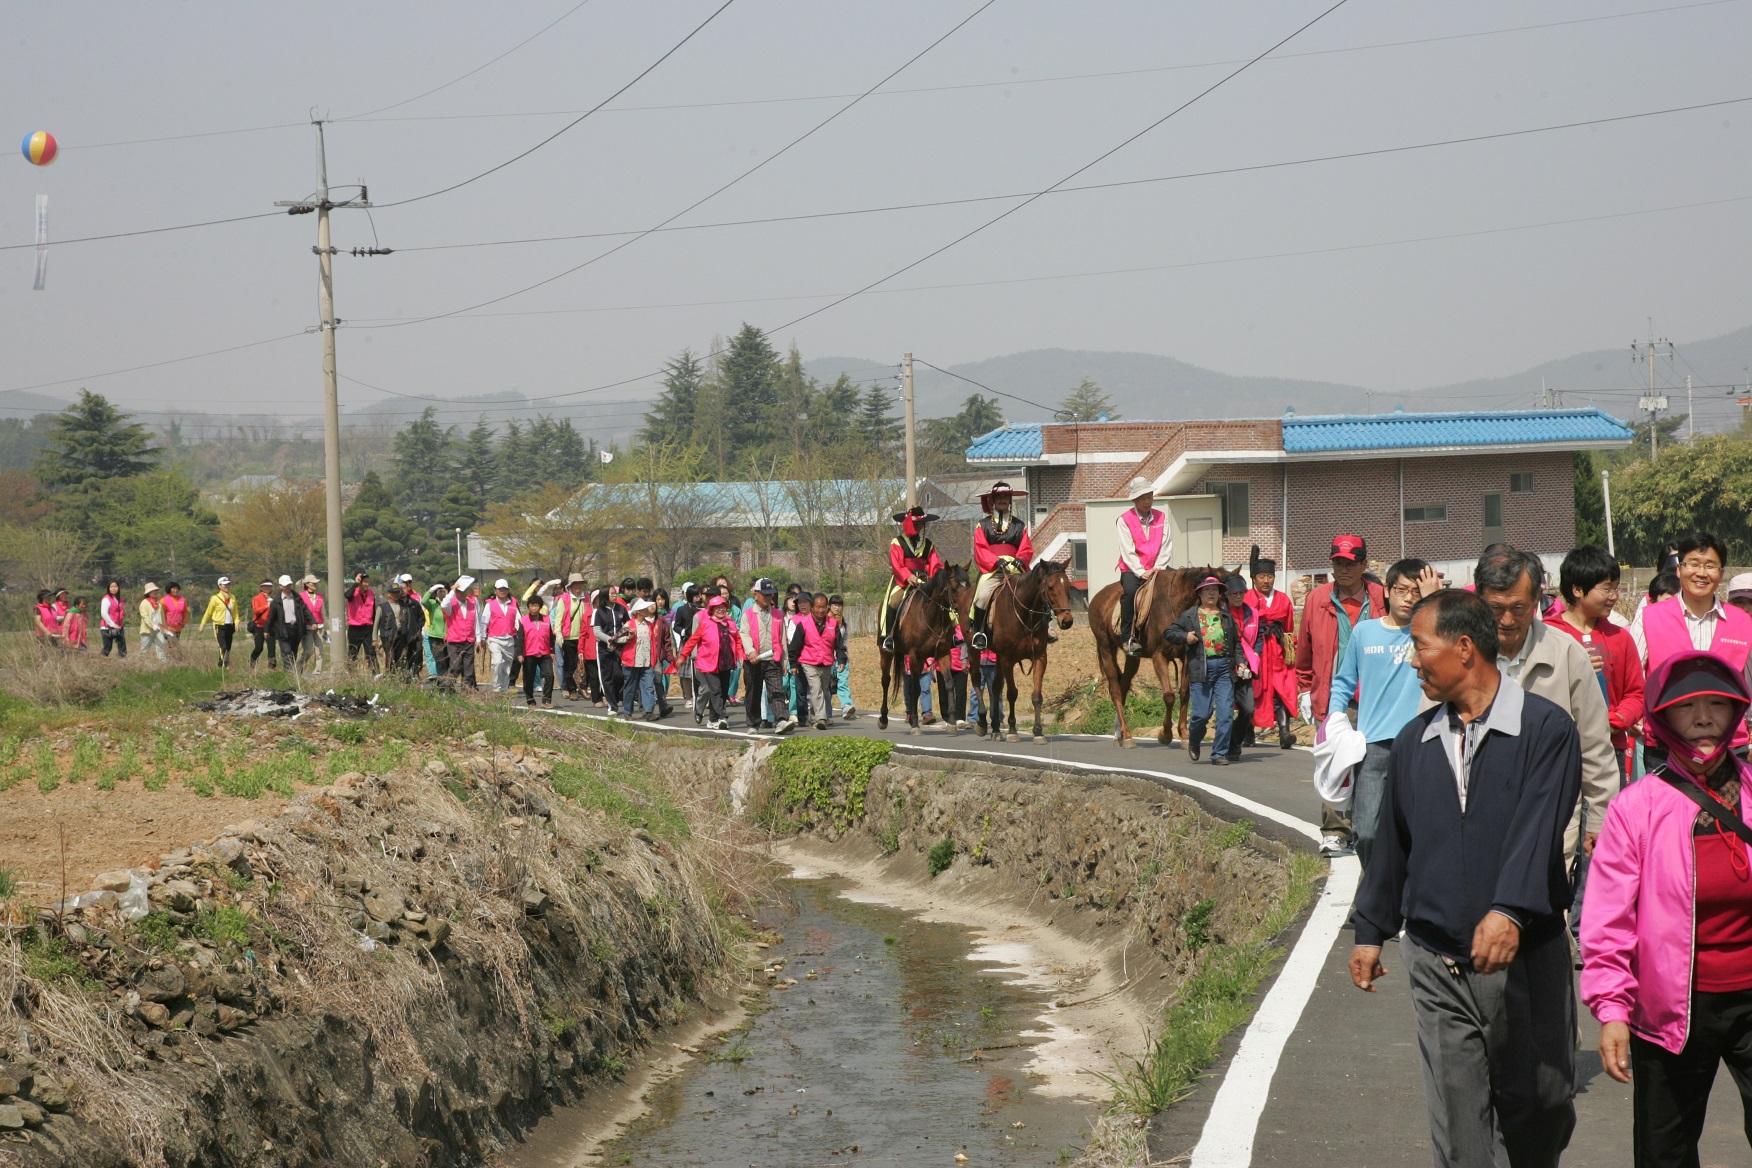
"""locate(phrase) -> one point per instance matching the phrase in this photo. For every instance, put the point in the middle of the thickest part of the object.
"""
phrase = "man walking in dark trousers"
(1469, 859)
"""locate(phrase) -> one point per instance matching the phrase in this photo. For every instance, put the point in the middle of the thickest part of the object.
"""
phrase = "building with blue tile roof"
(1439, 486)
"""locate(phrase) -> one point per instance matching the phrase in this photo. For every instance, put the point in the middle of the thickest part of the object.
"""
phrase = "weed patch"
(941, 857)
(826, 775)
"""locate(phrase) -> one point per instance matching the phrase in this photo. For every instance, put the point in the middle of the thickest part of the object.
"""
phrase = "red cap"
(1350, 547)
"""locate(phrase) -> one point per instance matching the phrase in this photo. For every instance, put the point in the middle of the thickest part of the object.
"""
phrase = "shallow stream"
(893, 1047)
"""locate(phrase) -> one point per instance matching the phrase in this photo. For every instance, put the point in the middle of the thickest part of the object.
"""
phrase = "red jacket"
(1623, 673)
(715, 645)
(1317, 641)
(921, 557)
(989, 543)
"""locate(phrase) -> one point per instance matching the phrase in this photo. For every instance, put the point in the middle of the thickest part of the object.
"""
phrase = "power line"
(151, 230)
(453, 81)
(1349, 155)
(987, 388)
(156, 364)
(1005, 214)
(714, 194)
(563, 129)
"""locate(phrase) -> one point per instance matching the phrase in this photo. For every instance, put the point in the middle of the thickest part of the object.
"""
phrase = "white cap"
(1740, 585)
(405, 578)
(464, 583)
(285, 581)
(501, 582)
(641, 604)
(224, 580)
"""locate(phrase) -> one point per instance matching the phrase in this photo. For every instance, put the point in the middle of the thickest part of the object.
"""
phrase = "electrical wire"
(673, 49)
(1099, 158)
(150, 230)
(157, 364)
(714, 194)
(1372, 153)
(962, 377)
(455, 80)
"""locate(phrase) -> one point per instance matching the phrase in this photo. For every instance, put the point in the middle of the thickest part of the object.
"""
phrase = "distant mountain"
(1149, 385)
(20, 403)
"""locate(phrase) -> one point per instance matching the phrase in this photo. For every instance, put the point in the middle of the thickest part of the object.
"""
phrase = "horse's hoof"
(914, 730)
(951, 729)
(1129, 743)
(1040, 738)
(882, 722)
(1012, 738)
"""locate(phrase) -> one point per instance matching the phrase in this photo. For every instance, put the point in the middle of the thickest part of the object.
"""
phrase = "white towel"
(1337, 752)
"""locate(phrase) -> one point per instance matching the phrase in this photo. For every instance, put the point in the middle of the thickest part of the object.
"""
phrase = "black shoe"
(1192, 751)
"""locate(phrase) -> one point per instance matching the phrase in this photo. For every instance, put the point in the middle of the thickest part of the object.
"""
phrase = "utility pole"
(906, 391)
(331, 404)
(1606, 496)
(1690, 413)
(1653, 403)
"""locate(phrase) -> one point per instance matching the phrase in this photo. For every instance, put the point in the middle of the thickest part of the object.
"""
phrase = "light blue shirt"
(1376, 672)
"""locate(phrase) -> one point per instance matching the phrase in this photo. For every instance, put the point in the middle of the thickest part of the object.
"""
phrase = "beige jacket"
(1557, 668)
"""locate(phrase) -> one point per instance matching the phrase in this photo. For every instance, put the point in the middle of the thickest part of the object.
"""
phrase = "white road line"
(1233, 1122)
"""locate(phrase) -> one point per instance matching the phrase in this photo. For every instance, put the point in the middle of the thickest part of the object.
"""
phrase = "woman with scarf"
(1667, 918)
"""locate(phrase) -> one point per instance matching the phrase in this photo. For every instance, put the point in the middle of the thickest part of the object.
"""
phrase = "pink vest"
(1247, 621)
(750, 615)
(362, 609)
(538, 636)
(313, 601)
(1667, 635)
(818, 643)
(1148, 543)
(176, 612)
(501, 618)
(459, 619)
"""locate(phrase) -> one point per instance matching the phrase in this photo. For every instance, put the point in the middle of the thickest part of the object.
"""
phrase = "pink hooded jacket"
(1639, 912)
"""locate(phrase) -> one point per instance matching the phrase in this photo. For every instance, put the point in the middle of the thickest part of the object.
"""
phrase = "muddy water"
(892, 1048)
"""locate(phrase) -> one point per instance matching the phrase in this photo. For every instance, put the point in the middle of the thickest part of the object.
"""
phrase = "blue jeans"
(1216, 691)
(842, 682)
(636, 685)
(1366, 794)
(987, 672)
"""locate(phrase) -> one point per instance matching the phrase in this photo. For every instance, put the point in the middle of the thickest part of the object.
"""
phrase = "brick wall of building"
(1265, 507)
(1362, 497)
(1102, 437)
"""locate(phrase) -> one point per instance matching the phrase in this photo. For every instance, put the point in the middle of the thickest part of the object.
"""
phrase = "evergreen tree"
(567, 455)
(711, 414)
(424, 466)
(795, 393)
(878, 428)
(374, 533)
(833, 414)
(460, 507)
(751, 390)
(1086, 403)
(671, 416)
(90, 442)
(949, 437)
(513, 459)
(480, 463)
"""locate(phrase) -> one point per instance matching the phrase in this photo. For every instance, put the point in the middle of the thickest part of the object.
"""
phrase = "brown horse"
(1022, 611)
(925, 628)
(1176, 591)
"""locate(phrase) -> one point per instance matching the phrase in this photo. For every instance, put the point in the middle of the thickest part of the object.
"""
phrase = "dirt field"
(1071, 670)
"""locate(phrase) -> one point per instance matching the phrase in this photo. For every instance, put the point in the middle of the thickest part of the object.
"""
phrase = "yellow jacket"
(221, 610)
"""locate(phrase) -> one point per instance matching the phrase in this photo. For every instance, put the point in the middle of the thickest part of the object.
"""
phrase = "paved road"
(1347, 1089)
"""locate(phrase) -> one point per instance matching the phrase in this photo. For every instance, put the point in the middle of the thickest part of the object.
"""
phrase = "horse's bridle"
(1030, 613)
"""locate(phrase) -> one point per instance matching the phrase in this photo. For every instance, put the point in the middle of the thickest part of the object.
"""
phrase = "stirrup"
(888, 643)
(979, 640)
(1133, 649)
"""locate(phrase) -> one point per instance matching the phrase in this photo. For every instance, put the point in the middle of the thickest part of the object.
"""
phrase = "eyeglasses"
(1701, 565)
(1405, 591)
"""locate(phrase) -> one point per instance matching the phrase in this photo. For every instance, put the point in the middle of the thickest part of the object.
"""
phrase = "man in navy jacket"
(1469, 860)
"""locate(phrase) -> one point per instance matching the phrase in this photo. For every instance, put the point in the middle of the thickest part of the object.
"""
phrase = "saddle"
(1141, 604)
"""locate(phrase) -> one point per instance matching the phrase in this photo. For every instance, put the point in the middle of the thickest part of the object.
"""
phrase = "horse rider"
(913, 559)
(1000, 546)
(1145, 544)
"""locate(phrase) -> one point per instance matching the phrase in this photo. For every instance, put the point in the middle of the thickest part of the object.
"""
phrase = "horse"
(1176, 591)
(1022, 610)
(924, 628)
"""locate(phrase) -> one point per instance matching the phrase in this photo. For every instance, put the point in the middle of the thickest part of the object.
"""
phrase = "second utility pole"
(906, 389)
(331, 396)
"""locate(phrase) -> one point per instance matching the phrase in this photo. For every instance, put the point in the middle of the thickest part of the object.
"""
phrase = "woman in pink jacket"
(715, 649)
(1667, 918)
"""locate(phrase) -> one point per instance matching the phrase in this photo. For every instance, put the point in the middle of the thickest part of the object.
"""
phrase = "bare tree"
(667, 513)
(43, 556)
(560, 531)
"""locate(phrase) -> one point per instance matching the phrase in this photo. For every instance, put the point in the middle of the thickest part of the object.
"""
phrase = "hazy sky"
(995, 109)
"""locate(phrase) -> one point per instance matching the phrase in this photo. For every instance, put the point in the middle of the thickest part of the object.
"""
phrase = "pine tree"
(877, 426)
(90, 442)
(480, 462)
(751, 390)
(460, 507)
(1087, 403)
(794, 392)
(671, 416)
(424, 465)
(374, 533)
(512, 455)
(833, 414)
(710, 413)
(566, 455)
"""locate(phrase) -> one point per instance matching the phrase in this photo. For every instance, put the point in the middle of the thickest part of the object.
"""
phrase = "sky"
(160, 115)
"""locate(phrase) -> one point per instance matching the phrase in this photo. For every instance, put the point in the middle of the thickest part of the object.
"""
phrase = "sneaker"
(821, 724)
(547, 705)
(1332, 845)
(1219, 760)
(786, 726)
(929, 719)
(530, 704)
(851, 712)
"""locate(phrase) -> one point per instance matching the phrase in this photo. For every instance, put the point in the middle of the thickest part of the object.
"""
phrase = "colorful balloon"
(40, 148)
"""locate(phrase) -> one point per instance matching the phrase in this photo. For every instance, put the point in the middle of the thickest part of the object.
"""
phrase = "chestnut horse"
(925, 629)
(1022, 611)
(1176, 591)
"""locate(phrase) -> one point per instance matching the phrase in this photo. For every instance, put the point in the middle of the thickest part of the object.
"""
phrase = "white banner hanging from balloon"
(42, 243)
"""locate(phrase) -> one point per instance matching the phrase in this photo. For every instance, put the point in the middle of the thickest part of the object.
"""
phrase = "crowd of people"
(1534, 783)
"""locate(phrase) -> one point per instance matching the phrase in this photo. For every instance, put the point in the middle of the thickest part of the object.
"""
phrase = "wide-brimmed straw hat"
(1139, 487)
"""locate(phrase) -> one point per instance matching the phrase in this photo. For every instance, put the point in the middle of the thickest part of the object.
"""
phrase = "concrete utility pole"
(331, 404)
(1606, 496)
(1653, 403)
(906, 391)
(1690, 413)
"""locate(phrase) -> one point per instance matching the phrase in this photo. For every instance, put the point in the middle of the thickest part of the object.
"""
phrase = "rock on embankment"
(405, 969)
